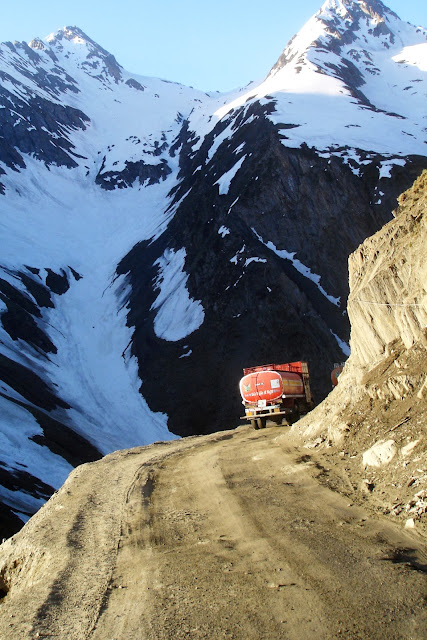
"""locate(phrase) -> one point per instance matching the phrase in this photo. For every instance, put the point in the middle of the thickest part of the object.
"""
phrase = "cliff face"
(375, 419)
(388, 281)
(259, 303)
(373, 423)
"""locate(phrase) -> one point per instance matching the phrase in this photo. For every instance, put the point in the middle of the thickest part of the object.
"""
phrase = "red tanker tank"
(276, 392)
(270, 386)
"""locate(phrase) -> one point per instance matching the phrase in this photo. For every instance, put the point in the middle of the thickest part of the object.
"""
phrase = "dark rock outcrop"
(36, 126)
(147, 174)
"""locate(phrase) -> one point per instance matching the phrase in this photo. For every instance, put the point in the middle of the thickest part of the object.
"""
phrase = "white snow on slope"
(299, 266)
(59, 219)
(59, 222)
(254, 259)
(178, 315)
(345, 348)
(224, 181)
(415, 55)
(386, 167)
(218, 140)
(17, 427)
(56, 223)
(93, 368)
(325, 114)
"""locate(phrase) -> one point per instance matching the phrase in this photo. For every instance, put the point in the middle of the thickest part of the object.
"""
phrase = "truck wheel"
(295, 416)
(254, 424)
(261, 422)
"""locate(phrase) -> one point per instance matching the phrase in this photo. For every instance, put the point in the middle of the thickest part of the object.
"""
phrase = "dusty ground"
(233, 535)
(397, 488)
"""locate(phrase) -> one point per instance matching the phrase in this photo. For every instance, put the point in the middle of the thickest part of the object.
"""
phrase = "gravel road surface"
(232, 535)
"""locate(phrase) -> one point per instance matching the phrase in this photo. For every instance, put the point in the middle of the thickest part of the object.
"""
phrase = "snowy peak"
(73, 34)
(351, 83)
(73, 44)
(341, 24)
(375, 9)
(362, 41)
(54, 89)
(363, 22)
(343, 19)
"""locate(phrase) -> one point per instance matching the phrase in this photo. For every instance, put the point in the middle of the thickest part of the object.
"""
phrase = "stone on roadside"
(379, 454)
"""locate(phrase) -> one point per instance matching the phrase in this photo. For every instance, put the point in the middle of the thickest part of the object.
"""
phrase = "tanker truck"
(277, 392)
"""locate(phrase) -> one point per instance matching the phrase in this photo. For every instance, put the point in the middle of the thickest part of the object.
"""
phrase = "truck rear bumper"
(265, 413)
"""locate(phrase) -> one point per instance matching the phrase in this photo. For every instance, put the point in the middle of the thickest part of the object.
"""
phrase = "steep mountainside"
(376, 417)
(156, 239)
(297, 172)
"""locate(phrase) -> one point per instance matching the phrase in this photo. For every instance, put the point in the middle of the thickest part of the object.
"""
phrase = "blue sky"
(209, 45)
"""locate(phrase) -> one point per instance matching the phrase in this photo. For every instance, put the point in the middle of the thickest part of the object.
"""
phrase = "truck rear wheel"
(254, 424)
(261, 422)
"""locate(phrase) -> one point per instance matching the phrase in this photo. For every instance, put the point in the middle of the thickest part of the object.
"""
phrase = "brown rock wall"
(388, 281)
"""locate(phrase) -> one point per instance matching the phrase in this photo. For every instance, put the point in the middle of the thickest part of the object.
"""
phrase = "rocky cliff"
(388, 282)
(375, 419)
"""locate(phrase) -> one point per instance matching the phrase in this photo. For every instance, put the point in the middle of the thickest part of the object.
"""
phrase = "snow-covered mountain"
(351, 54)
(156, 239)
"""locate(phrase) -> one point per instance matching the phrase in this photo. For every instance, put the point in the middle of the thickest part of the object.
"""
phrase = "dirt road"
(223, 536)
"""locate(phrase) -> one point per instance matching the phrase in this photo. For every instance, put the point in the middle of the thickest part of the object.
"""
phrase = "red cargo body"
(295, 367)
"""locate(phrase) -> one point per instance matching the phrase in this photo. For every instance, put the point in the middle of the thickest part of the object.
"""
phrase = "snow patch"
(343, 345)
(387, 167)
(178, 315)
(220, 138)
(225, 181)
(299, 266)
(254, 259)
(235, 258)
